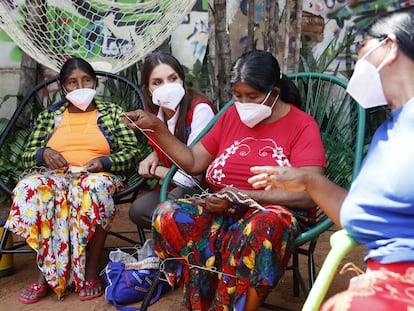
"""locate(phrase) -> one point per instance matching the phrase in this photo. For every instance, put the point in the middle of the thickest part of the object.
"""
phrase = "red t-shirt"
(293, 140)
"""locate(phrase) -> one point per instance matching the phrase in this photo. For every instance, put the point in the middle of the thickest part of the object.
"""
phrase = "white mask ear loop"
(274, 102)
(266, 98)
(64, 91)
(374, 48)
(385, 59)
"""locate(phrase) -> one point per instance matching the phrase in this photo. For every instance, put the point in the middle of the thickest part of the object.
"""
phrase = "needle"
(141, 129)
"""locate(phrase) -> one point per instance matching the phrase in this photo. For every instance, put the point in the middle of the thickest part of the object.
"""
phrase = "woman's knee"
(95, 181)
(137, 216)
(142, 209)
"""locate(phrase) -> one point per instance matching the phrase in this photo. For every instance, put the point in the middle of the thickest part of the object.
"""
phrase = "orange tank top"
(78, 138)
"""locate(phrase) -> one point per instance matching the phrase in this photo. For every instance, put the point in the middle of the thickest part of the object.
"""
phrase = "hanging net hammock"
(111, 35)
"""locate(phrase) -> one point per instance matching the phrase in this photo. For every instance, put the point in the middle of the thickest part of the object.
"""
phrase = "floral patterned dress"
(57, 215)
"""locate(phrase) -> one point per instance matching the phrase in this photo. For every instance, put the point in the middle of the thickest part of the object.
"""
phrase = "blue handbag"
(132, 282)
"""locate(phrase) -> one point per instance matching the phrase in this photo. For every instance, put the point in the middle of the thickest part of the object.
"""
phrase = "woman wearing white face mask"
(263, 127)
(185, 111)
(64, 217)
(378, 210)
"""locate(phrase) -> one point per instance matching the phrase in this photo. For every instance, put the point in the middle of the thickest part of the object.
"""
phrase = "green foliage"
(133, 73)
(335, 112)
(7, 97)
(10, 163)
(340, 157)
(337, 46)
(198, 78)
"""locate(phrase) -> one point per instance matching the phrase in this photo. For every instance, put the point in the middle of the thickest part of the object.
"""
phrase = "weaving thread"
(229, 194)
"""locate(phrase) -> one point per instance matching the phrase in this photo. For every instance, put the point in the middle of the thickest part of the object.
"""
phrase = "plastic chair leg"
(341, 244)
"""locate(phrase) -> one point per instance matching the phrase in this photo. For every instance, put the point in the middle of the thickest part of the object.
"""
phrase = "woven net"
(111, 35)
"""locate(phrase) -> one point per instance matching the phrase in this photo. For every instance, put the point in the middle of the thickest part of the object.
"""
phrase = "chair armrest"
(341, 244)
(313, 233)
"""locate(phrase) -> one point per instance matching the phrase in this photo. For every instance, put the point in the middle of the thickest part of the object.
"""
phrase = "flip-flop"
(39, 291)
(91, 285)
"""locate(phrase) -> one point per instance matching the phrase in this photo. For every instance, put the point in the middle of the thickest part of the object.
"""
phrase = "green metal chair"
(342, 124)
(111, 88)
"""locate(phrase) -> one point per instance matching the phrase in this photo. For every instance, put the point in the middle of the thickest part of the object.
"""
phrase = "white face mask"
(365, 84)
(168, 95)
(81, 98)
(251, 113)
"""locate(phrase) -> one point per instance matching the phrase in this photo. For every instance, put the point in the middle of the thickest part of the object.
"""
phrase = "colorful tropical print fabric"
(57, 215)
(215, 257)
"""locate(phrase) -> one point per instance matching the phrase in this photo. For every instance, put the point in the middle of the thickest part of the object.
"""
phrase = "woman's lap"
(143, 208)
(57, 218)
(252, 252)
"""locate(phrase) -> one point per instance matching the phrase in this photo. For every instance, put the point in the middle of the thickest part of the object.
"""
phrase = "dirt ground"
(25, 271)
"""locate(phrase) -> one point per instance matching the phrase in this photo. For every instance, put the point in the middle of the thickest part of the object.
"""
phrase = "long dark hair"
(261, 70)
(150, 62)
(76, 63)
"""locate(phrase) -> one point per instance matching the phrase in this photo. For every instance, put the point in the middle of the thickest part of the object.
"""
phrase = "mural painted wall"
(114, 33)
(189, 40)
(323, 19)
(343, 16)
(337, 17)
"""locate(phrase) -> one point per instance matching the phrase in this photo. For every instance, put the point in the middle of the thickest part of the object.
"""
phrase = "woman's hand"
(140, 119)
(324, 193)
(279, 177)
(220, 201)
(147, 167)
(161, 171)
(53, 159)
(94, 166)
(214, 204)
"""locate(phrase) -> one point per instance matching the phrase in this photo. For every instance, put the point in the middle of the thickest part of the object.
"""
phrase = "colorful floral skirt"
(216, 257)
(57, 215)
(383, 287)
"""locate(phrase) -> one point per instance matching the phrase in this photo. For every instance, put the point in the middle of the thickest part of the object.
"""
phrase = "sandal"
(91, 284)
(36, 291)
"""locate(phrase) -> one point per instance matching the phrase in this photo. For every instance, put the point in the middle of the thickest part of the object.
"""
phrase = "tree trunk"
(270, 41)
(212, 60)
(36, 18)
(30, 74)
(285, 62)
(250, 25)
(298, 45)
(36, 22)
(222, 52)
